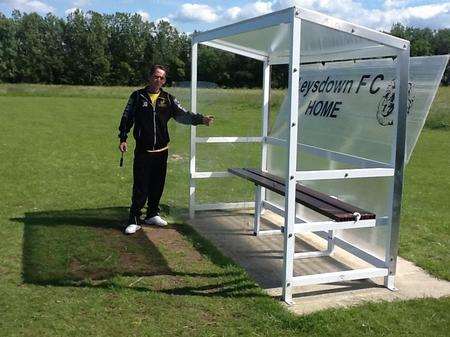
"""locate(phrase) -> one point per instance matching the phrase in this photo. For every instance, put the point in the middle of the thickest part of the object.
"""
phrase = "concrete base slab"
(261, 256)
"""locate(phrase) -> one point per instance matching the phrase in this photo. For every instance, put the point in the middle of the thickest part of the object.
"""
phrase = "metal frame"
(192, 169)
(391, 46)
(374, 52)
(400, 145)
(290, 181)
(354, 250)
(228, 139)
(213, 38)
(247, 52)
(260, 193)
(224, 205)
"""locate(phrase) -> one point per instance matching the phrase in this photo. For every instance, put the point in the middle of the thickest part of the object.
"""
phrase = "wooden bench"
(322, 203)
(341, 215)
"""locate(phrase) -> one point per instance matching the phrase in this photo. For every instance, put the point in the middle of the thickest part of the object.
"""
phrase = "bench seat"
(322, 203)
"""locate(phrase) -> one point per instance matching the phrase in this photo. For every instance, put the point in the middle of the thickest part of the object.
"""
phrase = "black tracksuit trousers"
(149, 176)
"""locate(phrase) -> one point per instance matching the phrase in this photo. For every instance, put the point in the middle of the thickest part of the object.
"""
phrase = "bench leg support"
(258, 204)
(288, 266)
(330, 242)
(389, 282)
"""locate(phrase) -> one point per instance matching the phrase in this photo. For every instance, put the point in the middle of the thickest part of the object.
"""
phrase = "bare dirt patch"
(78, 272)
(173, 240)
(176, 157)
(131, 255)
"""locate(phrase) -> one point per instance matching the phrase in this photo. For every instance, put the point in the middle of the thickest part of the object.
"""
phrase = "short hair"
(154, 67)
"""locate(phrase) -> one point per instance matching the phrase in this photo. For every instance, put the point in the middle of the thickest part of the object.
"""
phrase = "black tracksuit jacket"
(150, 123)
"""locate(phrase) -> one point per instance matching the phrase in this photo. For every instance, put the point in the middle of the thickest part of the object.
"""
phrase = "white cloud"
(433, 15)
(196, 13)
(164, 18)
(408, 12)
(81, 3)
(78, 4)
(337, 8)
(395, 3)
(70, 10)
(144, 15)
(29, 6)
(233, 12)
(249, 10)
(427, 11)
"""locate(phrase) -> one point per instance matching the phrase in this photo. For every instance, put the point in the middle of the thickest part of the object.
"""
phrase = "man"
(149, 109)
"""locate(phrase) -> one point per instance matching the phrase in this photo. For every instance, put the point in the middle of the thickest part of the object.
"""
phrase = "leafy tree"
(53, 32)
(118, 49)
(129, 42)
(8, 49)
(424, 41)
(215, 66)
(31, 46)
(167, 47)
(441, 46)
(86, 48)
(420, 38)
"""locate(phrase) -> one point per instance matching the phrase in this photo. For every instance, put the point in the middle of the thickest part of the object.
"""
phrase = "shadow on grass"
(87, 248)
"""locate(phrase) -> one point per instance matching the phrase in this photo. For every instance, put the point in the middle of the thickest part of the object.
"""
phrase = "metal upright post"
(192, 165)
(261, 191)
(265, 114)
(258, 204)
(402, 80)
(330, 242)
(289, 217)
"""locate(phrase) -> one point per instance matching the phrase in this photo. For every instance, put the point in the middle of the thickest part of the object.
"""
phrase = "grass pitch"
(66, 269)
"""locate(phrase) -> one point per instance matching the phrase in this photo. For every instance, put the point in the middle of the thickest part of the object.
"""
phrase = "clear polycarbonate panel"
(318, 43)
(273, 40)
(237, 113)
(219, 157)
(371, 194)
(348, 107)
(340, 109)
(277, 160)
(372, 197)
(338, 115)
(425, 76)
(353, 127)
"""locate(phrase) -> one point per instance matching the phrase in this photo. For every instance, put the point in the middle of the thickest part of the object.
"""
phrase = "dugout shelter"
(333, 162)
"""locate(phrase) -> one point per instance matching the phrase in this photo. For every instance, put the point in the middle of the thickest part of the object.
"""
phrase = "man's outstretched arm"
(184, 116)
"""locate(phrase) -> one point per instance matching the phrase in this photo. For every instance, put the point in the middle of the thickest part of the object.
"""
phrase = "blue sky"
(189, 15)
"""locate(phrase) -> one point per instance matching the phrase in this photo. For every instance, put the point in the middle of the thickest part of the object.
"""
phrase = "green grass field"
(66, 269)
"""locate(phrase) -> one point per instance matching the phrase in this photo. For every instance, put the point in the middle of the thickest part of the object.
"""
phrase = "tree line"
(89, 48)
(425, 41)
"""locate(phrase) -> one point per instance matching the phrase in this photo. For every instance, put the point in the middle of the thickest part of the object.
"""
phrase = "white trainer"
(155, 220)
(131, 229)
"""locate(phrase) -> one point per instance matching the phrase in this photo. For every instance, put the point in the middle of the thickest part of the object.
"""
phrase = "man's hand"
(208, 120)
(123, 147)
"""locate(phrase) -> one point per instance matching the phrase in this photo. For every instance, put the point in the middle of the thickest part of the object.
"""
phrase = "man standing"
(149, 109)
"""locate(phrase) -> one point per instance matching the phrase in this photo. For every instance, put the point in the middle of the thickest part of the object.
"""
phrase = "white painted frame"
(390, 46)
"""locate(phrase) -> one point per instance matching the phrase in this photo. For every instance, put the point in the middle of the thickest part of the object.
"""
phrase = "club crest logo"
(387, 103)
(162, 103)
(145, 104)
